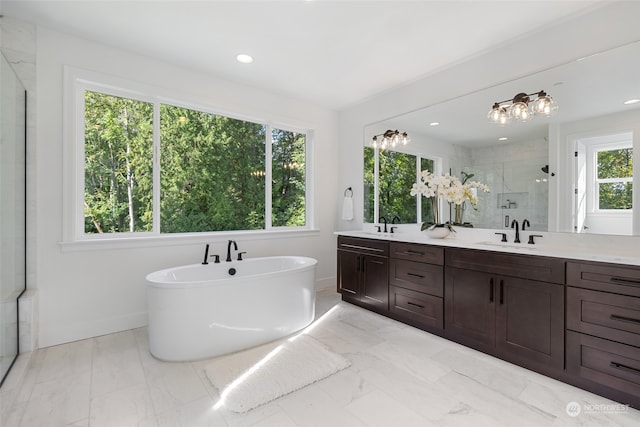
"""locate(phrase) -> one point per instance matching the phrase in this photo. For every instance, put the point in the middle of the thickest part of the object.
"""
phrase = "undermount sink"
(379, 233)
(524, 246)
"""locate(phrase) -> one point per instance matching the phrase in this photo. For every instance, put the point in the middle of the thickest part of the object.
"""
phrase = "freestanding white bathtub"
(199, 311)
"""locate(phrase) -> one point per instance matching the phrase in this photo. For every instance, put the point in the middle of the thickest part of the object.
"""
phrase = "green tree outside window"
(614, 179)
(211, 168)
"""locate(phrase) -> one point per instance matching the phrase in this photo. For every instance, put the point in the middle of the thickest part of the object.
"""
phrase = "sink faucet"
(393, 221)
(385, 223)
(235, 247)
(525, 223)
(514, 224)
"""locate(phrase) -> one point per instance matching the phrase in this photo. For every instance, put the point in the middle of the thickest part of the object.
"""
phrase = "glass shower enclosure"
(12, 211)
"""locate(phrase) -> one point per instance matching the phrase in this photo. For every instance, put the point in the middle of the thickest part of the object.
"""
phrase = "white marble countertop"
(558, 245)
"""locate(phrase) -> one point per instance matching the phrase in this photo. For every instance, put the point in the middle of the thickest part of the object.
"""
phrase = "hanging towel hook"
(348, 192)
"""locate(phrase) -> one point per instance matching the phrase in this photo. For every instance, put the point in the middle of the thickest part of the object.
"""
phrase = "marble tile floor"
(400, 376)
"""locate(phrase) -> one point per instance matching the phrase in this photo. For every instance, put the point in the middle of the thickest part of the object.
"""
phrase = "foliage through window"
(614, 176)
(211, 170)
(396, 172)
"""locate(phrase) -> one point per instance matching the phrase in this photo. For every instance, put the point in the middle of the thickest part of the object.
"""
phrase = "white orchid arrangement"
(448, 188)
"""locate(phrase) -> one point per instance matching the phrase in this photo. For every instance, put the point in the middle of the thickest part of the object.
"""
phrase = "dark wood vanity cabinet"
(603, 329)
(416, 290)
(511, 306)
(363, 271)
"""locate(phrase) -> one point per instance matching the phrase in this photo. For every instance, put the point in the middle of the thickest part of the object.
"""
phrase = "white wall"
(91, 290)
(601, 29)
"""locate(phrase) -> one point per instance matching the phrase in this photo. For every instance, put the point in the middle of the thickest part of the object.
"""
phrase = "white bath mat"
(253, 377)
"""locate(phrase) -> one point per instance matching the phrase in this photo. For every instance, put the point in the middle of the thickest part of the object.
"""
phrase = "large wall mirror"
(572, 171)
(12, 211)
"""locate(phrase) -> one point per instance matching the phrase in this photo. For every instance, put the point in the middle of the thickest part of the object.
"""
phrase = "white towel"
(347, 208)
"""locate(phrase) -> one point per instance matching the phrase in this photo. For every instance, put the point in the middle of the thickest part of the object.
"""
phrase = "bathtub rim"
(309, 263)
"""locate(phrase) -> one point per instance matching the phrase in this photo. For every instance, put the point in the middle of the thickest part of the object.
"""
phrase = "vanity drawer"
(611, 316)
(370, 246)
(543, 269)
(414, 252)
(604, 362)
(423, 309)
(418, 276)
(604, 277)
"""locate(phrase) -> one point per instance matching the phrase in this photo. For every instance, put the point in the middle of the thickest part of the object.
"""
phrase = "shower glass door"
(12, 211)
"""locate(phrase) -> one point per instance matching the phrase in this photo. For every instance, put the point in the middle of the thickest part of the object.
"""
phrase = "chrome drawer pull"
(623, 281)
(414, 304)
(624, 368)
(415, 275)
(624, 319)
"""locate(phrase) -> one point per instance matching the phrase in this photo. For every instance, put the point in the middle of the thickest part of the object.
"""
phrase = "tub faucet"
(514, 224)
(235, 247)
(206, 255)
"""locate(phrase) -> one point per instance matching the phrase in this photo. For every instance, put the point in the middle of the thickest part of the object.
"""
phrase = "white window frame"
(593, 193)
(76, 82)
(437, 163)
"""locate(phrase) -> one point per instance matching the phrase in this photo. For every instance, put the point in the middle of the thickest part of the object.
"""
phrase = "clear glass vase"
(458, 214)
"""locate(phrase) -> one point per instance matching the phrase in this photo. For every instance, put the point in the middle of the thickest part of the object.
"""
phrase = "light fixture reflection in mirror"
(522, 108)
(390, 139)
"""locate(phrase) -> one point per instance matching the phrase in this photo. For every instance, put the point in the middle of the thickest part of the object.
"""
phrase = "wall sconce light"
(522, 108)
(390, 139)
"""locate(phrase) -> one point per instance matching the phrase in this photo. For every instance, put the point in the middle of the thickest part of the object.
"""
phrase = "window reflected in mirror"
(604, 184)
(388, 178)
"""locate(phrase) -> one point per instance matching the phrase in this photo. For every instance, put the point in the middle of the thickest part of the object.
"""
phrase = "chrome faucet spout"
(235, 247)
(514, 224)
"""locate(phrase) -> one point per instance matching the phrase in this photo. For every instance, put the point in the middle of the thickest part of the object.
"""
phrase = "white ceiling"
(332, 53)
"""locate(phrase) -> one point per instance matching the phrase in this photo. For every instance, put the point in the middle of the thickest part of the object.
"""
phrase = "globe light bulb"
(544, 105)
(520, 111)
(498, 115)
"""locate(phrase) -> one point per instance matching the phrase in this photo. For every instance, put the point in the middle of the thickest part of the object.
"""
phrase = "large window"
(157, 168)
(388, 178)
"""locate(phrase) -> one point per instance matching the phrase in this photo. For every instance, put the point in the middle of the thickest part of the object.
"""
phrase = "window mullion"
(156, 168)
(418, 196)
(268, 169)
(376, 185)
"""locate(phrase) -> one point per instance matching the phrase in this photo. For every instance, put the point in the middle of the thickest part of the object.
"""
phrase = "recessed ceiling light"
(244, 58)
(503, 138)
(631, 101)
(434, 123)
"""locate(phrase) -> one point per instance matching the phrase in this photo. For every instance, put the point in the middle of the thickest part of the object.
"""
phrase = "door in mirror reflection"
(388, 178)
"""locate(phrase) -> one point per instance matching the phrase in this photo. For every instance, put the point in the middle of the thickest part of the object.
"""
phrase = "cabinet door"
(348, 273)
(530, 322)
(375, 281)
(470, 308)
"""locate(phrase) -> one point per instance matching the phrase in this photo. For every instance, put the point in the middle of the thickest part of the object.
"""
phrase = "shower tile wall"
(517, 177)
